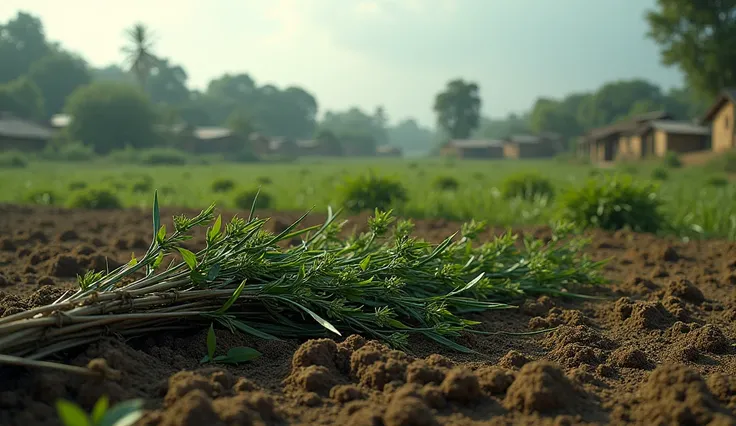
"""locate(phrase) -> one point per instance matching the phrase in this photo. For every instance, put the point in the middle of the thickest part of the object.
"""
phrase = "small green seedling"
(233, 356)
(122, 414)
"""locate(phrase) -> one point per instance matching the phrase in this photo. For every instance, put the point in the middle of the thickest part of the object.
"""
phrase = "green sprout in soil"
(384, 283)
(122, 414)
(233, 356)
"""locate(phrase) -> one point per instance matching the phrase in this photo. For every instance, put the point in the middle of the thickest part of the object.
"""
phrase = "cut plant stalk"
(383, 283)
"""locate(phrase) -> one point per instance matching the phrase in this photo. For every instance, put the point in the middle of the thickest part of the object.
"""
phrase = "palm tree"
(139, 52)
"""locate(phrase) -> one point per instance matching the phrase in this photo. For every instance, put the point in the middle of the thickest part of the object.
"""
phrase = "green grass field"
(692, 202)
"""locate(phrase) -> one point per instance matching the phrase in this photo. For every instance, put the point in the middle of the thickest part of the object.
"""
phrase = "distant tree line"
(40, 78)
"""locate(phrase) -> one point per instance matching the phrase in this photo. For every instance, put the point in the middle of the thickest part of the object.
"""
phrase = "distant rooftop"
(19, 128)
(476, 143)
(209, 133)
(679, 127)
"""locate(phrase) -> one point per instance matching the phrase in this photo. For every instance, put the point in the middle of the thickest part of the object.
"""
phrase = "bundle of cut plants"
(382, 283)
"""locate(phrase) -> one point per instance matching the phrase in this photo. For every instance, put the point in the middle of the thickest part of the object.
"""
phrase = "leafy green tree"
(355, 129)
(22, 42)
(329, 142)
(242, 123)
(501, 128)
(111, 116)
(112, 73)
(57, 75)
(23, 98)
(167, 83)
(139, 52)
(458, 108)
(550, 116)
(699, 38)
(410, 136)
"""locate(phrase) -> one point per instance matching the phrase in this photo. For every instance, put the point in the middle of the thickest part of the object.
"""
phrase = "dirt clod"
(540, 387)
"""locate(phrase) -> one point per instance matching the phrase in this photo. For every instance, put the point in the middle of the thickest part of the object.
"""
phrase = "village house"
(283, 147)
(613, 141)
(473, 149)
(656, 138)
(211, 140)
(388, 151)
(532, 146)
(22, 135)
(720, 116)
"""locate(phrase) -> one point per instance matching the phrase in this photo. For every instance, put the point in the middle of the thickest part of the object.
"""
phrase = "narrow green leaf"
(468, 286)
(214, 272)
(189, 258)
(158, 260)
(125, 413)
(205, 359)
(231, 299)
(100, 408)
(211, 342)
(161, 235)
(253, 206)
(133, 260)
(214, 232)
(365, 262)
(241, 354)
(71, 414)
(323, 322)
(245, 328)
(156, 216)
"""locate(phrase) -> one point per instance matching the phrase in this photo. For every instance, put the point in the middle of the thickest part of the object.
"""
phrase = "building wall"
(511, 150)
(487, 152)
(623, 151)
(24, 145)
(635, 148)
(684, 143)
(723, 128)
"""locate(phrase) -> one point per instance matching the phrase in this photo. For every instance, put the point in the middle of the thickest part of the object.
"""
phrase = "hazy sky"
(396, 53)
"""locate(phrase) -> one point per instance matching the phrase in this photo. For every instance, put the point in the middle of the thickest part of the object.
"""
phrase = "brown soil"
(657, 351)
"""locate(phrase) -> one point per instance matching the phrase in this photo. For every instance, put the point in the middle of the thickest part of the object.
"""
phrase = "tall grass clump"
(445, 183)
(614, 203)
(528, 186)
(369, 192)
(383, 283)
(162, 157)
(672, 160)
(660, 173)
(74, 152)
(94, 199)
(44, 197)
(253, 198)
(717, 181)
(222, 185)
(724, 162)
(13, 160)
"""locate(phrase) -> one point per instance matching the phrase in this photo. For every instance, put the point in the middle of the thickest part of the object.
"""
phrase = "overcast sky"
(396, 53)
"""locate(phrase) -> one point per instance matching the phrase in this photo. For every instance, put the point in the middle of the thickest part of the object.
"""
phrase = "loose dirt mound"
(658, 349)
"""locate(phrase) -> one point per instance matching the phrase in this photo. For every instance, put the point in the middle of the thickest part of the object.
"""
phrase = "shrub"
(12, 160)
(264, 180)
(44, 197)
(614, 203)
(73, 152)
(446, 183)
(368, 192)
(527, 186)
(631, 169)
(672, 160)
(717, 181)
(143, 185)
(222, 185)
(94, 199)
(725, 162)
(660, 173)
(76, 185)
(244, 199)
(243, 156)
(162, 157)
